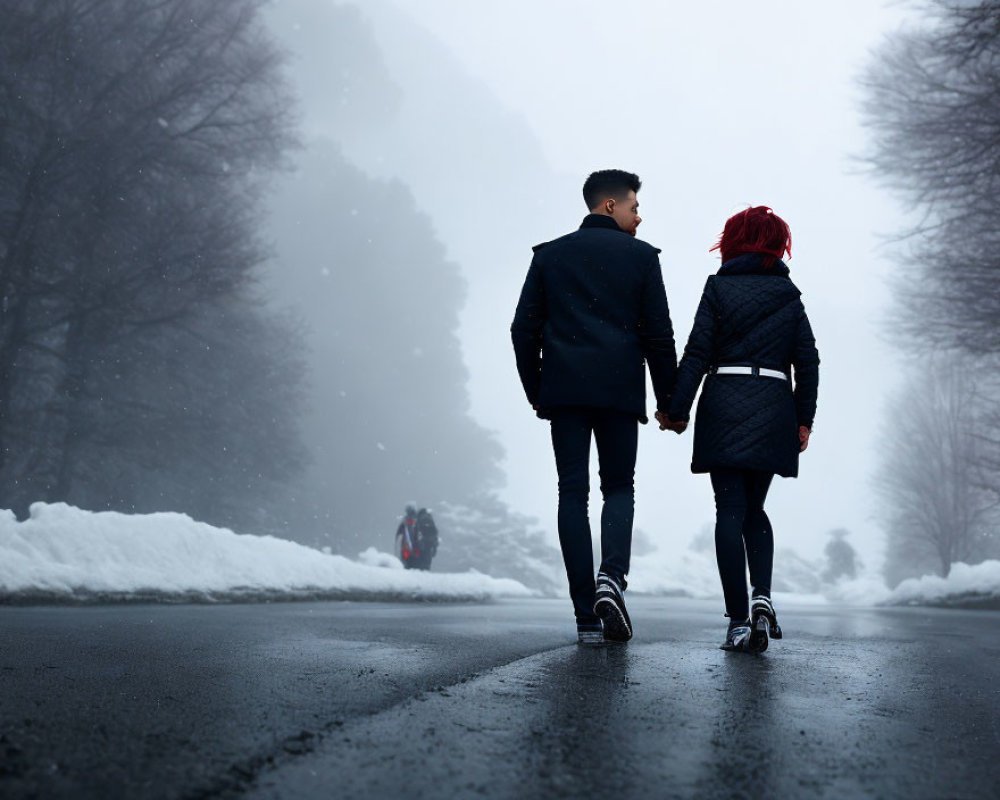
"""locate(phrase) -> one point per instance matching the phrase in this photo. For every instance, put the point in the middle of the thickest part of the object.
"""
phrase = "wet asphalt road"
(326, 700)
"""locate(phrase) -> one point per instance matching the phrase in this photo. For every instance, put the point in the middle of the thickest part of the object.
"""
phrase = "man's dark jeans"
(617, 436)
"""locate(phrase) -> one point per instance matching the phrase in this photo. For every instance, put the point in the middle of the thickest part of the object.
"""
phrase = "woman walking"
(750, 330)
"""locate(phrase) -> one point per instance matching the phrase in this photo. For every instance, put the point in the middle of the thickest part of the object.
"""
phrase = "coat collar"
(751, 264)
(600, 221)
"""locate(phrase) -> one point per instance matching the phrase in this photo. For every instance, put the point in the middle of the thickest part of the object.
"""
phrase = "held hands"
(803, 438)
(666, 424)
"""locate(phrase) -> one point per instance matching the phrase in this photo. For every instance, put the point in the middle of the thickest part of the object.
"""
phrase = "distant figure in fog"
(592, 316)
(416, 538)
(750, 331)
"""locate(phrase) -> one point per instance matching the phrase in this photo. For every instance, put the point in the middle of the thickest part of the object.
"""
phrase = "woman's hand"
(667, 424)
(803, 438)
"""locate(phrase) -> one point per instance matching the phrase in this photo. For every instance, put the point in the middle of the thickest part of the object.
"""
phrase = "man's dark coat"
(749, 316)
(592, 310)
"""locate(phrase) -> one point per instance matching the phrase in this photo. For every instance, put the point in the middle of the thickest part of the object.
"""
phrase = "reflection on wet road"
(846, 706)
(381, 700)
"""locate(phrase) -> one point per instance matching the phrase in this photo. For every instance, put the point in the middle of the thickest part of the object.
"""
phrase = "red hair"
(756, 230)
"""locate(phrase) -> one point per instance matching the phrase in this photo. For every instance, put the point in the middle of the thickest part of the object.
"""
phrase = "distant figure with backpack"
(416, 538)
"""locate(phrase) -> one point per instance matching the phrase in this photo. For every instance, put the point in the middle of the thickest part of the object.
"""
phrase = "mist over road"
(426, 700)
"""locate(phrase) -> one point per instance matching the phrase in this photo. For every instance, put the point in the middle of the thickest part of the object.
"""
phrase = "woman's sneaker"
(764, 622)
(737, 636)
(610, 607)
(758, 635)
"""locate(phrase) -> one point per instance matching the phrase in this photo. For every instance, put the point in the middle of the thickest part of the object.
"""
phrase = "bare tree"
(133, 142)
(933, 105)
(932, 480)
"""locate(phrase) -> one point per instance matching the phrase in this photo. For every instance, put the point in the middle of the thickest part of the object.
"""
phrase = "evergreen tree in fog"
(841, 558)
(137, 371)
(388, 418)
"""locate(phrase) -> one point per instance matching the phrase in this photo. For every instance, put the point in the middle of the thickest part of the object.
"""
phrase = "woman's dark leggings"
(742, 535)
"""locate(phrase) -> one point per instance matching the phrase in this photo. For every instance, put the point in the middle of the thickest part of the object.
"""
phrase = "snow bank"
(62, 552)
(966, 585)
(693, 573)
(681, 573)
(376, 558)
(865, 590)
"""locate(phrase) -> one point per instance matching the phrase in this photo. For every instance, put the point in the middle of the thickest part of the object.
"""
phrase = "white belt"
(767, 373)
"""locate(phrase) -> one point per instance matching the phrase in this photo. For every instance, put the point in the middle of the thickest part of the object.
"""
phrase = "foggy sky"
(503, 109)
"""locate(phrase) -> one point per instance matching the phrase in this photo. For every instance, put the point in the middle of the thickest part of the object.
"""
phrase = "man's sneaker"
(590, 635)
(737, 636)
(610, 607)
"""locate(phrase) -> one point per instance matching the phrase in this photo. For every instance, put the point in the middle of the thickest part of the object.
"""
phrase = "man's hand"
(803, 438)
(541, 413)
(667, 424)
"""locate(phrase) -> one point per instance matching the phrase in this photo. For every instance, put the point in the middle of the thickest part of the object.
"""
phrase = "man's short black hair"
(609, 183)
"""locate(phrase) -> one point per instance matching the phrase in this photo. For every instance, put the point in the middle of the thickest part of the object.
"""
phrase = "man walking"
(593, 309)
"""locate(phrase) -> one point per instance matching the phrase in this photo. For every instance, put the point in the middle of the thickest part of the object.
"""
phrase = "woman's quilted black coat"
(749, 315)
